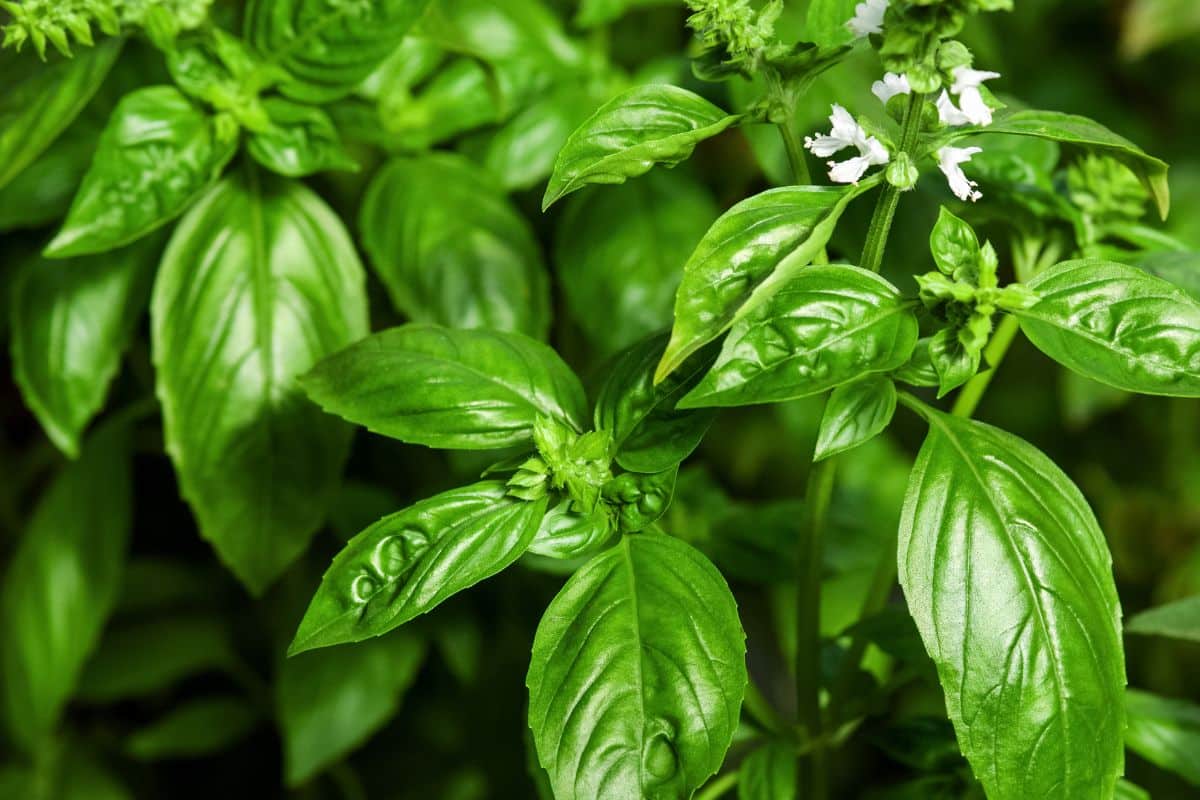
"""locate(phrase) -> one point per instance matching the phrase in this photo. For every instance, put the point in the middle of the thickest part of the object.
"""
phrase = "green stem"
(761, 711)
(795, 150)
(813, 780)
(718, 786)
(889, 198)
(968, 399)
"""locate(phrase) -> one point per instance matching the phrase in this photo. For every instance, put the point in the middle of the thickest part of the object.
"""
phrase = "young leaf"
(1010, 582)
(854, 413)
(330, 702)
(328, 47)
(953, 243)
(649, 434)
(747, 255)
(38, 101)
(195, 728)
(1117, 325)
(1081, 131)
(829, 325)
(158, 153)
(647, 125)
(441, 387)
(637, 674)
(302, 140)
(451, 248)
(638, 499)
(259, 281)
(769, 773)
(1178, 620)
(407, 563)
(566, 533)
(619, 251)
(1165, 732)
(71, 323)
(62, 582)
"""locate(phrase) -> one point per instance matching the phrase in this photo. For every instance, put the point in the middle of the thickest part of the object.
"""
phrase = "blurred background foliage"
(188, 694)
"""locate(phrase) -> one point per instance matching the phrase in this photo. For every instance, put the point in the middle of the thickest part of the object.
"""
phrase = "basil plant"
(446, 358)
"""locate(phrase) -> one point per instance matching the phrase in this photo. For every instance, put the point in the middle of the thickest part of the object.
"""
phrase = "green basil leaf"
(442, 387)
(829, 325)
(330, 702)
(328, 47)
(41, 193)
(647, 125)
(953, 243)
(194, 728)
(601, 12)
(648, 433)
(157, 154)
(301, 141)
(619, 251)
(919, 370)
(566, 533)
(953, 364)
(638, 499)
(502, 34)
(1117, 325)
(769, 773)
(451, 248)
(1165, 732)
(1081, 131)
(1181, 269)
(1010, 582)
(71, 323)
(461, 97)
(855, 413)
(259, 281)
(38, 101)
(637, 673)
(148, 657)
(1178, 620)
(408, 562)
(825, 23)
(1130, 791)
(748, 253)
(755, 544)
(62, 583)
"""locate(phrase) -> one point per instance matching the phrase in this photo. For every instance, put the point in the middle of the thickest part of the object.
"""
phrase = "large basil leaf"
(619, 253)
(328, 47)
(62, 582)
(1178, 620)
(1117, 325)
(157, 154)
(71, 323)
(38, 101)
(451, 249)
(649, 434)
(1084, 132)
(769, 773)
(194, 728)
(854, 413)
(408, 562)
(1165, 732)
(258, 282)
(747, 254)
(637, 674)
(329, 702)
(828, 326)
(1010, 582)
(647, 125)
(441, 387)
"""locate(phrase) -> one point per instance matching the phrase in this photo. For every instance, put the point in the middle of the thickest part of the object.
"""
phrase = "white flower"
(970, 109)
(949, 159)
(868, 18)
(847, 133)
(891, 85)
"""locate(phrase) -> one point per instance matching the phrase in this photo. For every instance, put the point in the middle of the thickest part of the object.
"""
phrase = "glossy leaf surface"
(1165, 732)
(451, 249)
(748, 254)
(769, 773)
(637, 674)
(441, 387)
(62, 582)
(567, 533)
(1117, 325)
(647, 125)
(328, 46)
(408, 562)
(1010, 582)
(854, 413)
(330, 702)
(259, 281)
(301, 140)
(71, 323)
(157, 154)
(827, 326)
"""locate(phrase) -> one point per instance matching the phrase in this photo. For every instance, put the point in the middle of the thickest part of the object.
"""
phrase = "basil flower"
(949, 161)
(847, 133)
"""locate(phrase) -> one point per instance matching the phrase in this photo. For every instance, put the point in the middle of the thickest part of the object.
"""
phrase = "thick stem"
(795, 150)
(889, 198)
(812, 776)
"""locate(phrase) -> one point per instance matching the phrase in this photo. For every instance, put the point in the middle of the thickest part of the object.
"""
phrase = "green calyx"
(578, 464)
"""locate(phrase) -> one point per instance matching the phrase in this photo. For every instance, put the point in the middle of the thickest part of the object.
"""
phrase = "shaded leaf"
(194, 728)
(1165, 732)
(1178, 620)
(854, 413)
